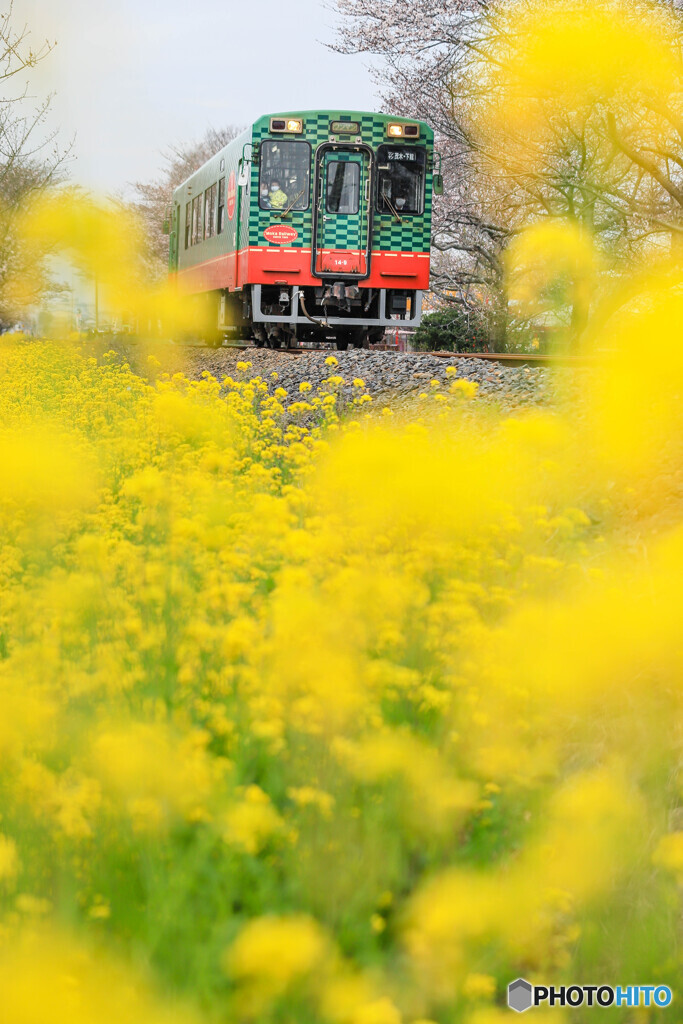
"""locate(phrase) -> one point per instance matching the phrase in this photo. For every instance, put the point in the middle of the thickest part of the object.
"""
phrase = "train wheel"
(356, 338)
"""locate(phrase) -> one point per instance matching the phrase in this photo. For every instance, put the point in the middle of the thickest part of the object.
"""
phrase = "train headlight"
(403, 131)
(293, 125)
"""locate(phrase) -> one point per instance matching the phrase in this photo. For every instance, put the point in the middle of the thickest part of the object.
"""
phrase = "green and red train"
(311, 225)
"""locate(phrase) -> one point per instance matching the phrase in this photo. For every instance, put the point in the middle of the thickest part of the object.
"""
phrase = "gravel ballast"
(389, 377)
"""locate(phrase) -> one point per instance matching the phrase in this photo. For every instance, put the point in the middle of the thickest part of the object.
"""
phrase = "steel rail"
(505, 358)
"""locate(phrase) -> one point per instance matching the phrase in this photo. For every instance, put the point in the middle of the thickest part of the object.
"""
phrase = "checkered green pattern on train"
(317, 127)
(344, 232)
(260, 220)
(413, 234)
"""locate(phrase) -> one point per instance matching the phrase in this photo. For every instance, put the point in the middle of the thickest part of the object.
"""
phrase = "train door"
(343, 215)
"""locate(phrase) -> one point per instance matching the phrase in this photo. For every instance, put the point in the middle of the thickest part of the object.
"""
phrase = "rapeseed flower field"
(331, 718)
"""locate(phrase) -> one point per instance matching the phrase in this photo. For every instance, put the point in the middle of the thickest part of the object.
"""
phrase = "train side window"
(196, 220)
(188, 225)
(210, 211)
(220, 224)
(401, 179)
(343, 186)
(285, 169)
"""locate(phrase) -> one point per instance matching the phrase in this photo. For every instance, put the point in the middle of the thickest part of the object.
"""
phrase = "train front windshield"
(287, 165)
(401, 179)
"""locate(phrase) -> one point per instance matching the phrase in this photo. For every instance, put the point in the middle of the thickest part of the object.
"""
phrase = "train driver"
(277, 197)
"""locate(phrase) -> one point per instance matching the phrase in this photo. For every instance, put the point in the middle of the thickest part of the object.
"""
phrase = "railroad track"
(505, 358)
(519, 358)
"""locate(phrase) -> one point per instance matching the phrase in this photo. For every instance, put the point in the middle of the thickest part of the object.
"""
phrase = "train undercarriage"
(283, 315)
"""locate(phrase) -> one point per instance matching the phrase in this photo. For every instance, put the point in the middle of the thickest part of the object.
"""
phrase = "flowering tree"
(423, 50)
(520, 146)
(153, 198)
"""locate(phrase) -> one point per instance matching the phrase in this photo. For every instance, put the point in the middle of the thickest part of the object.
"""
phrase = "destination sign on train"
(345, 127)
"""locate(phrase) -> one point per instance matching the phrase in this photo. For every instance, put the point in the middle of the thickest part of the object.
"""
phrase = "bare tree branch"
(30, 157)
(153, 198)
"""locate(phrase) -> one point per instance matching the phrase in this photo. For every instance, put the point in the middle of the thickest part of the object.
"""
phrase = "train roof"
(339, 113)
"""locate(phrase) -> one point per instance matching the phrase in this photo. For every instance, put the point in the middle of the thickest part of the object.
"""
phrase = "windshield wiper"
(283, 213)
(392, 208)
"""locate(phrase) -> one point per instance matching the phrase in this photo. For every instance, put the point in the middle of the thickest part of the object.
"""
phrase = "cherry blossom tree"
(153, 198)
(421, 52)
(612, 166)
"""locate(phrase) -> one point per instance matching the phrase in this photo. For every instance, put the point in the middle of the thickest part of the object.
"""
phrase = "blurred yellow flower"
(479, 986)
(669, 853)
(464, 388)
(250, 822)
(9, 859)
(381, 1011)
(272, 952)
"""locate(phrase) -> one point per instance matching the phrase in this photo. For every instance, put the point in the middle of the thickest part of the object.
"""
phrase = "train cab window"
(188, 225)
(221, 206)
(401, 179)
(343, 186)
(197, 219)
(285, 175)
(210, 211)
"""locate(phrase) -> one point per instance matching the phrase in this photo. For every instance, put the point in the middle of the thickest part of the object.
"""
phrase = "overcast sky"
(133, 76)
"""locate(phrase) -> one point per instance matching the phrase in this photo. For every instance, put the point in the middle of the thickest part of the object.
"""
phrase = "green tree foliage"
(453, 329)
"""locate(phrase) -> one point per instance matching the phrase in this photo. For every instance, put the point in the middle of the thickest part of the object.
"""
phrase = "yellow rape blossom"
(47, 975)
(272, 952)
(9, 860)
(464, 388)
(669, 853)
(250, 822)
